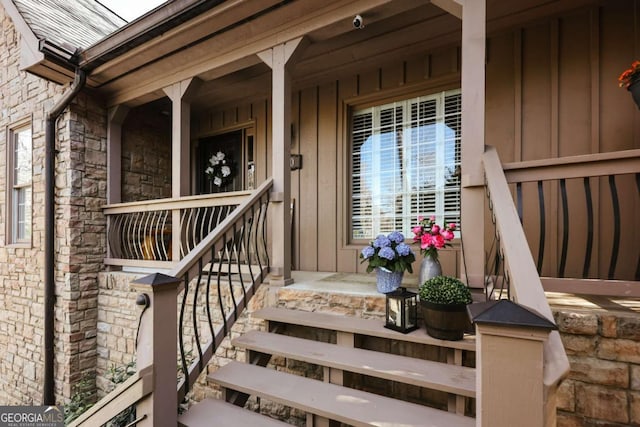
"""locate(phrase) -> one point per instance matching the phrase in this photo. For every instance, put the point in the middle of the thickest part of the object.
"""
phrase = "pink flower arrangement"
(431, 236)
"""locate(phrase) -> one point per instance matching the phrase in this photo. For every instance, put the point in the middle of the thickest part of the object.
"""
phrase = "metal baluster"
(183, 359)
(542, 227)
(565, 227)
(616, 226)
(195, 314)
(589, 248)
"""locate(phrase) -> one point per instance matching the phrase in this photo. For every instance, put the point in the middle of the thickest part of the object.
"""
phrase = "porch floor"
(365, 285)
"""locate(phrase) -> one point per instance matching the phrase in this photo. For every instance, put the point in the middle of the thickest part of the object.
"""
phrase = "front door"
(220, 163)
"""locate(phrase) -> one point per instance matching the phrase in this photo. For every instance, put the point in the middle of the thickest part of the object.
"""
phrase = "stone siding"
(146, 155)
(80, 235)
(603, 387)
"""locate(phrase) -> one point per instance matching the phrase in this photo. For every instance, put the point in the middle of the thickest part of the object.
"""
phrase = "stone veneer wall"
(80, 235)
(603, 387)
(81, 176)
(146, 155)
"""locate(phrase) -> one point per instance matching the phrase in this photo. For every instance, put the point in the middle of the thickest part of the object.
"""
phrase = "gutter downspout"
(50, 232)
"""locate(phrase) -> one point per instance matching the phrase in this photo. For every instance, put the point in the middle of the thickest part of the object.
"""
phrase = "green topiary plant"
(445, 290)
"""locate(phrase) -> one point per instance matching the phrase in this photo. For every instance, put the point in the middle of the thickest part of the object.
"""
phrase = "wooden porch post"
(279, 58)
(180, 94)
(473, 119)
(510, 363)
(115, 118)
(473, 15)
(157, 347)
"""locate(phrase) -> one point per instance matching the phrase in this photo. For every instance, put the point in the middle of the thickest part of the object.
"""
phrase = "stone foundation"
(603, 387)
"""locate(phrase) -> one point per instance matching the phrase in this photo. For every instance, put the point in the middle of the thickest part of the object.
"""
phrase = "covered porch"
(282, 87)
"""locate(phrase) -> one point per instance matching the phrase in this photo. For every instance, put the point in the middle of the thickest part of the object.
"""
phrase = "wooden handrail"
(602, 164)
(120, 398)
(525, 282)
(221, 199)
(190, 261)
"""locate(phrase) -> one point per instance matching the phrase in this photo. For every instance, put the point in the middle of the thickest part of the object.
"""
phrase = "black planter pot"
(634, 88)
(445, 321)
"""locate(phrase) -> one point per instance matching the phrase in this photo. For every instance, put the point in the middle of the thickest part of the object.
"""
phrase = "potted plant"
(390, 257)
(443, 300)
(431, 238)
(630, 79)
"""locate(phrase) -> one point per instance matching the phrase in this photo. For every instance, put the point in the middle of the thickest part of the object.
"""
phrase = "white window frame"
(14, 217)
(406, 219)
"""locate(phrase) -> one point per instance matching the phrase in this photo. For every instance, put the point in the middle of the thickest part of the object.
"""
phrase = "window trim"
(11, 132)
(359, 103)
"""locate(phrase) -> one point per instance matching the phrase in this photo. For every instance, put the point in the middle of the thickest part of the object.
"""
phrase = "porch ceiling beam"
(454, 7)
(234, 45)
(280, 59)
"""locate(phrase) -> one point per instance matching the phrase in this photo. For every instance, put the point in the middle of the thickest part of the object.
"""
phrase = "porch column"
(473, 15)
(279, 58)
(510, 362)
(180, 94)
(115, 118)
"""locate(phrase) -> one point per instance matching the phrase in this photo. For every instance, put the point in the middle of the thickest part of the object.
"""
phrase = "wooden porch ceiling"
(224, 58)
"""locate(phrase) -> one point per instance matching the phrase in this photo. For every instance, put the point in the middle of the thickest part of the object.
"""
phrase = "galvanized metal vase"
(387, 280)
(429, 268)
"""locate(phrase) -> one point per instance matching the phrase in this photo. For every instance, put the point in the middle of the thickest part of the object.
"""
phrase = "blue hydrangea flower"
(367, 252)
(396, 236)
(387, 253)
(381, 241)
(403, 249)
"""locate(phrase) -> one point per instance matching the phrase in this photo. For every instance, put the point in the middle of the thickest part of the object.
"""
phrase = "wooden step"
(210, 412)
(455, 379)
(331, 401)
(358, 325)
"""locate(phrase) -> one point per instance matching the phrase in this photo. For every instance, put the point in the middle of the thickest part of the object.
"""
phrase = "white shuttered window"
(405, 162)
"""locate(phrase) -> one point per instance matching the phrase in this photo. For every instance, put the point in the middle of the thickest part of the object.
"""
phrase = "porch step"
(455, 379)
(358, 326)
(216, 412)
(354, 407)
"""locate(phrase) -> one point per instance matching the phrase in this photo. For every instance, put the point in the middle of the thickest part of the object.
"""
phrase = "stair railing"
(594, 201)
(520, 271)
(231, 262)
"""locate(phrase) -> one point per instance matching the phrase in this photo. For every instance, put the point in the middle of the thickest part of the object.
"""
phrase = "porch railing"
(585, 221)
(143, 233)
(519, 270)
(212, 284)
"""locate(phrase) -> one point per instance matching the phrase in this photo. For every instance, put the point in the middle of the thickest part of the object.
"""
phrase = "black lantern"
(402, 311)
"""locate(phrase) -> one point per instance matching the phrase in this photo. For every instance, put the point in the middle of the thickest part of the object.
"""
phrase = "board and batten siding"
(551, 91)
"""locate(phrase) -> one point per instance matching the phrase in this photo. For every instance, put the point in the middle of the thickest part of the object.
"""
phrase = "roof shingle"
(70, 23)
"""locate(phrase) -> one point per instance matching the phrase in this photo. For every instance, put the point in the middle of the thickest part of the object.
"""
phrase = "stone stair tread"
(354, 407)
(210, 412)
(357, 325)
(409, 370)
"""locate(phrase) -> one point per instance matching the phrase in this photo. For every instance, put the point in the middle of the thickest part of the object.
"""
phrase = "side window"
(405, 159)
(19, 188)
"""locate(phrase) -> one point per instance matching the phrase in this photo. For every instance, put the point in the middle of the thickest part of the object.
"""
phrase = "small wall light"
(402, 311)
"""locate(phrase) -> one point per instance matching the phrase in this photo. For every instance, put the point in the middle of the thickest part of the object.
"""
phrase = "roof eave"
(143, 29)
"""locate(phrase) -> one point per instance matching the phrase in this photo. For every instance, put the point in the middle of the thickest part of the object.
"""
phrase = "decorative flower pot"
(429, 268)
(445, 321)
(388, 281)
(634, 88)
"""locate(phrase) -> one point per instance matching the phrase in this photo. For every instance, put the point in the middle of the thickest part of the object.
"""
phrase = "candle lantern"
(402, 310)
